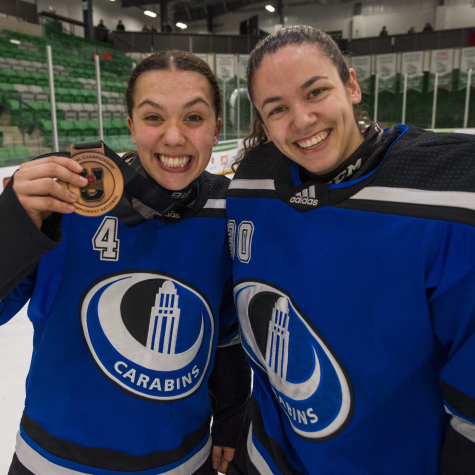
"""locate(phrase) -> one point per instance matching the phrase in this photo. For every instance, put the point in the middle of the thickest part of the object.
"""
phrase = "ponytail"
(255, 138)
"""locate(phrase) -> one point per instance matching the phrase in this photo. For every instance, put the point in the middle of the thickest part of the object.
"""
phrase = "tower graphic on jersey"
(164, 320)
(277, 352)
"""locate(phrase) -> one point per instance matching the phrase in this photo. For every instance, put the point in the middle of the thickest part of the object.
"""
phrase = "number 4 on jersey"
(105, 240)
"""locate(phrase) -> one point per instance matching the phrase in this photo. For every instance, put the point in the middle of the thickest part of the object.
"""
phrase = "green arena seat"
(3, 157)
(67, 128)
(7, 91)
(64, 95)
(110, 128)
(80, 96)
(82, 129)
(46, 125)
(121, 126)
(92, 129)
(9, 76)
(19, 152)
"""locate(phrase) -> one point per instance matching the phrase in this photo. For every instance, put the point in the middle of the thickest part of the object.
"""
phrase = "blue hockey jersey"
(356, 304)
(126, 324)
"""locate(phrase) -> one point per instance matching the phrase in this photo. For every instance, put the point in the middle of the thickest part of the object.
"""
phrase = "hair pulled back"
(292, 35)
(173, 60)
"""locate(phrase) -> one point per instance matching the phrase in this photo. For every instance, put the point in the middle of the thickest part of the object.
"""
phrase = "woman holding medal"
(134, 324)
(354, 278)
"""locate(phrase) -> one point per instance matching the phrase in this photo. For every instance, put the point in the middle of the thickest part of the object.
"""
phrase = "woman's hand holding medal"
(38, 190)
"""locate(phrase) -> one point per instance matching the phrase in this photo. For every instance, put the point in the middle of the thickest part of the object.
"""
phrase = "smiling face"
(173, 125)
(306, 109)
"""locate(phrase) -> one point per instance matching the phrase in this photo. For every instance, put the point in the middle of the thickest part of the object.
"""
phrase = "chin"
(319, 168)
(174, 185)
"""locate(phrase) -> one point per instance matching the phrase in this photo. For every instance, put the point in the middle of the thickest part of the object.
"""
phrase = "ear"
(131, 128)
(217, 132)
(269, 139)
(354, 88)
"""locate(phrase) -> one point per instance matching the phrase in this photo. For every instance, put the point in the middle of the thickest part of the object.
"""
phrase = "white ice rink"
(16, 338)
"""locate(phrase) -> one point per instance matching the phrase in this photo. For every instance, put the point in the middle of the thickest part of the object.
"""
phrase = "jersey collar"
(315, 194)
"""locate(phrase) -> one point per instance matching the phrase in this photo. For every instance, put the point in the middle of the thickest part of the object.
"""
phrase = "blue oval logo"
(149, 333)
(307, 379)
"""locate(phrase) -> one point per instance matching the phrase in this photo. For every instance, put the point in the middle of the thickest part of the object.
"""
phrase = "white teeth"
(314, 141)
(175, 162)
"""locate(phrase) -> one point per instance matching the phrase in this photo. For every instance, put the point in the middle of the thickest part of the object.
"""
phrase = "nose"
(173, 135)
(302, 117)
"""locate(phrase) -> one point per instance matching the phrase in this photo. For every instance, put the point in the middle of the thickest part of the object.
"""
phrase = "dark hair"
(173, 60)
(292, 35)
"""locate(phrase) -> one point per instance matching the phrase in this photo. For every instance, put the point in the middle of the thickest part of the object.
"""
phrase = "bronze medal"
(105, 182)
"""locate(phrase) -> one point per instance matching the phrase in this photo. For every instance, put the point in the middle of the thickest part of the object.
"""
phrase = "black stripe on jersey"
(270, 445)
(108, 459)
(457, 456)
(16, 468)
(462, 403)
(211, 213)
(441, 213)
(251, 469)
(206, 468)
(246, 193)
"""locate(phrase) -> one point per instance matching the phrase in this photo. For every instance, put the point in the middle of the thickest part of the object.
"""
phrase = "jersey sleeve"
(452, 308)
(230, 381)
(22, 245)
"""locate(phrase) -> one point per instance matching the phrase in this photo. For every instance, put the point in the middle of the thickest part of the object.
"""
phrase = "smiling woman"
(136, 343)
(354, 277)
(173, 106)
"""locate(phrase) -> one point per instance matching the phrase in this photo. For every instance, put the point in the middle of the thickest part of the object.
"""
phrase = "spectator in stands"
(120, 26)
(152, 28)
(101, 25)
(427, 27)
(383, 32)
(166, 28)
(411, 30)
(145, 28)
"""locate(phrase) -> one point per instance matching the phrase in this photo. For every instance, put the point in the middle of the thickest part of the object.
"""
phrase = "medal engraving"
(104, 187)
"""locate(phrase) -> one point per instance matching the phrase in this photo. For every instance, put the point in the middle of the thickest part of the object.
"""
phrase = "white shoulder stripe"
(252, 185)
(462, 426)
(457, 199)
(37, 464)
(215, 204)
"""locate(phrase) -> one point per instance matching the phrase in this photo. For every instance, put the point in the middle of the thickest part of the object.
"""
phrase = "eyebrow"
(311, 81)
(302, 87)
(195, 101)
(150, 103)
(186, 106)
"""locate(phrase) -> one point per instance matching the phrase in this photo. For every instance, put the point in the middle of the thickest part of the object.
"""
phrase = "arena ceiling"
(192, 10)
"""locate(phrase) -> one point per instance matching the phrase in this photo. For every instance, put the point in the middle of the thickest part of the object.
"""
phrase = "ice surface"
(16, 339)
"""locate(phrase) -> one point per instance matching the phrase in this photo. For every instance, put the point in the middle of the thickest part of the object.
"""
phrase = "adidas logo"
(305, 197)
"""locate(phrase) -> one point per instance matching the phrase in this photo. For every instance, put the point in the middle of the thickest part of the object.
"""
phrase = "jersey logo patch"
(306, 197)
(148, 333)
(307, 379)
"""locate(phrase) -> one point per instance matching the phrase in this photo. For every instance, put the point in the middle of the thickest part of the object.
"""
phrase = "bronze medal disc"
(105, 184)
